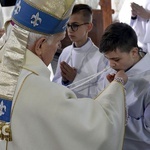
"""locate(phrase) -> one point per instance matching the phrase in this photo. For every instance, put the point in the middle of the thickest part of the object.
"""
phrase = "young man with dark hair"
(119, 45)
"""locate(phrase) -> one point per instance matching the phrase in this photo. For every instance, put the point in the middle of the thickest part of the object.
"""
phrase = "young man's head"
(119, 45)
(80, 24)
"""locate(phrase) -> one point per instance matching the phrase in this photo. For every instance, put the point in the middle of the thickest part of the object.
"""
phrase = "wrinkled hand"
(120, 74)
(138, 10)
(68, 73)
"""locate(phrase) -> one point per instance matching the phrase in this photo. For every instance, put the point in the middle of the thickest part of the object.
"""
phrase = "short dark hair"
(85, 10)
(118, 36)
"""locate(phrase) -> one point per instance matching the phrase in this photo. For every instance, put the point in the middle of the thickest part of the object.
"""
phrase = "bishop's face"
(121, 60)
(45, 48)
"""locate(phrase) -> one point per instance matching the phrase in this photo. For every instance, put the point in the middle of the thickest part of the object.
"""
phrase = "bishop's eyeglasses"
(74, 27)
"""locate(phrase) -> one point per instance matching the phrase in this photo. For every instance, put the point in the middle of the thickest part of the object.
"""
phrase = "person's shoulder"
(96, 54)
(93, 47)
(67, 48)
(146, 57)
(65, 52)
(95, 50)
(62, 90)
(42, 82)
(50, 90)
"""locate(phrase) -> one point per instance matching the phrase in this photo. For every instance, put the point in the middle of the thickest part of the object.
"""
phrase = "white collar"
(84, 48)
(141, 66)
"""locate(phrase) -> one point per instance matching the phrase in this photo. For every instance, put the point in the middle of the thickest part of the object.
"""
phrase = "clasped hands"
(138, 10)
(68, 73)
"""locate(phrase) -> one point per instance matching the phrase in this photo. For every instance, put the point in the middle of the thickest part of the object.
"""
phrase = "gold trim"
(5, 131)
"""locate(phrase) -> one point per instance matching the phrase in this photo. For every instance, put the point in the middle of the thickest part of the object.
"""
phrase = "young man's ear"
(90, 26)
(38, 46)
(135, 51)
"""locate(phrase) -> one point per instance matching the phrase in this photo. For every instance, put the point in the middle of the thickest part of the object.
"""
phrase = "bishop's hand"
(119, 76)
